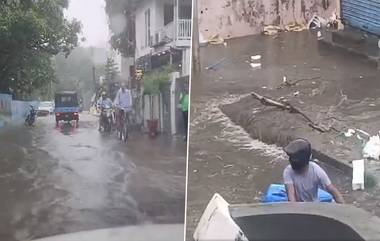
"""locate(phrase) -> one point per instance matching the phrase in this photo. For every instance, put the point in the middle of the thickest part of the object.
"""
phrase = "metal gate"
(362, 14)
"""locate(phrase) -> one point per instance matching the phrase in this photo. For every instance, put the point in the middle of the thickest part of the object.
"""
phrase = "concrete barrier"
(5, 109)
(285, 221)
(305, 221)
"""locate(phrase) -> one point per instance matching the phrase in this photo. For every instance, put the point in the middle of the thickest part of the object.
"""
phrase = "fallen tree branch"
(288, 107)
(291, 83)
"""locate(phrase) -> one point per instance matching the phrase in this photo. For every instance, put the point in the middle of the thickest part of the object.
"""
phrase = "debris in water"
(296, 93)
(216, 65)
(213, 175)
(350, 132)
(256, 57)
(363, 132)
(195, 171)
(271, 30)
(358, 175)
(372, 149)
(215, 39)
(295, 27)
(316, 22)
(319, 35)
(264, 87)
(256, 65)
(228, 166)
(284, 79)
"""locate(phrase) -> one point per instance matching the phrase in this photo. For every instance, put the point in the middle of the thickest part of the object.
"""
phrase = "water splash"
(231, 132)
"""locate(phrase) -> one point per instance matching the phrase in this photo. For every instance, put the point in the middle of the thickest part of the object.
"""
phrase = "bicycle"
(123, 124)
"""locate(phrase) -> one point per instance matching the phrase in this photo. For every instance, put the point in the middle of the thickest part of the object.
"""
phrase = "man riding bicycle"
(123, 103)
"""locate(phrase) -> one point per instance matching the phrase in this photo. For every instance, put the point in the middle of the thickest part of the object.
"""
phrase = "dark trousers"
(185, 120)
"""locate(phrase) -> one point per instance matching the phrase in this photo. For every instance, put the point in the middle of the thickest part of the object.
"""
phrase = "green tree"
(76, 72)
(31, 32)
(111, 76)
(123, 39)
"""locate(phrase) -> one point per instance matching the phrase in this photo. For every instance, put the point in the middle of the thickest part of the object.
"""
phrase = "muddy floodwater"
(226, 155)
(62, 180)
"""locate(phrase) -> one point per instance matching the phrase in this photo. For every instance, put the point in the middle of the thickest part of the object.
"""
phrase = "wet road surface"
(223, 157)
(66, 179)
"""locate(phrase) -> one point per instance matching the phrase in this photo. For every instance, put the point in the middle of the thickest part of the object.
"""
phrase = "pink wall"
(236, 18)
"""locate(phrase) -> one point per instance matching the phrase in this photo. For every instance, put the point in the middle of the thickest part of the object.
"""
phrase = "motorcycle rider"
(123, 102)
(104, 102)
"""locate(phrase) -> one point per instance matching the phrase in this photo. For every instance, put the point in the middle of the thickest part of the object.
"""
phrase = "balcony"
(183, 36)
(180, 34)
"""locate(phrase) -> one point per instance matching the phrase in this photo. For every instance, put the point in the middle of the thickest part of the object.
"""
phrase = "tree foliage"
(76, 72)
(111, 77)
(31, 32)
(154, 81)
(122, 40)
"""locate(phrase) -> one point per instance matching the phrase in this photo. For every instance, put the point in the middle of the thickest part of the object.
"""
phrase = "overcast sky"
(92, 15)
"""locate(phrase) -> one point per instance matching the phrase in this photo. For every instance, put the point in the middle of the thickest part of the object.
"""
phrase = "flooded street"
(225, 154)
(66, 179)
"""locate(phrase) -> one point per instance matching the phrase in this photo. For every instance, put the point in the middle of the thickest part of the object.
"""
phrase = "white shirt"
(123, 99)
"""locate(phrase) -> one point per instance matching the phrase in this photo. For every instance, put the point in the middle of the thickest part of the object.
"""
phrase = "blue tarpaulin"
(277, 193)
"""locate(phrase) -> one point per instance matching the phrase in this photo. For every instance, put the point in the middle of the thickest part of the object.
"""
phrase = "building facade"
(163, 34)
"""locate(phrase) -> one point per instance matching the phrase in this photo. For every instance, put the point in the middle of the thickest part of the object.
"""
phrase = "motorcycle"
(31, 117)
(106, 118)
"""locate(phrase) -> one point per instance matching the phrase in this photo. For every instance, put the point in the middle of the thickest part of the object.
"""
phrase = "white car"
(46, 108)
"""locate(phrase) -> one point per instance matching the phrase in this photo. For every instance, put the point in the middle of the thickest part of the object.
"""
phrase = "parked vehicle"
(45, 108)
(31, 117)
(66, 107)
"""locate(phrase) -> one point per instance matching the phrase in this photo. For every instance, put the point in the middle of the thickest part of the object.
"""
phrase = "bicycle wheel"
(125, 130)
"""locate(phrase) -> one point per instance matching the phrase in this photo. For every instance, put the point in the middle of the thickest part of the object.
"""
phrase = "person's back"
(303, 177)
(123, 98)
(106, 103)
(306, 184)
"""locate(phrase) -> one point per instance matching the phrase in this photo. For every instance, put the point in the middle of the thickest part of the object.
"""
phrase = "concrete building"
(163, 37)
(163, 34)
(232, 19)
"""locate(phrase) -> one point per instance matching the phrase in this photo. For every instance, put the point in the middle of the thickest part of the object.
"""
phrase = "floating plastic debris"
(372, 149)
(256, 57)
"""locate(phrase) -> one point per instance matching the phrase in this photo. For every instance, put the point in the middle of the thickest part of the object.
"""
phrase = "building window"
(185, 12)
(147, 28)
(168, 13)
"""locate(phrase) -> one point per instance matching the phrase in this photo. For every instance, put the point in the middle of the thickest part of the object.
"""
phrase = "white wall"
(186, 57)
(126, 63)
(231, 19)
(156, 21)
(141, 49)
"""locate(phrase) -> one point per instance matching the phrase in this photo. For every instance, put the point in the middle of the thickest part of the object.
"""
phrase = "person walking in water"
(184, 101)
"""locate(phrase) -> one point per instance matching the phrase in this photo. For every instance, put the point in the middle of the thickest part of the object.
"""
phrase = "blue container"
(277, 193)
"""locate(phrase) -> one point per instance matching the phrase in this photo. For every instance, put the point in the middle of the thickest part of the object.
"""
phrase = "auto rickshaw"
(66, 107)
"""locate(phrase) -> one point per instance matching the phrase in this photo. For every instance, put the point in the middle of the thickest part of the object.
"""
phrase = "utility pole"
(196, 60)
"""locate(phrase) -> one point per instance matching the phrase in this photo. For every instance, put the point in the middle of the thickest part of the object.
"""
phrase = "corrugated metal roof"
(362, 14)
